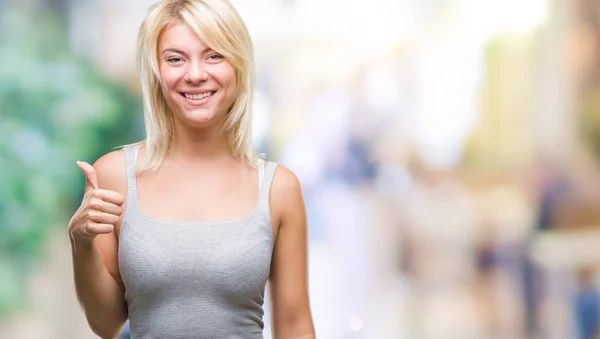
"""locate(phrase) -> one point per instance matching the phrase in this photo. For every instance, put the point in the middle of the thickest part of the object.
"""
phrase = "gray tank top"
(195, 279)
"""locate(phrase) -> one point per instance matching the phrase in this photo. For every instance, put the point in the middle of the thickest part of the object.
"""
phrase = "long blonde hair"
(220, 27)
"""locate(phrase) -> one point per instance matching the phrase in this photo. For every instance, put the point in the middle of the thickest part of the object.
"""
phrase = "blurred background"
(448, 150)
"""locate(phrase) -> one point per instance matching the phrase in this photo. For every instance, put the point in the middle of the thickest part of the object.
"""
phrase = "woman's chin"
(199, 118)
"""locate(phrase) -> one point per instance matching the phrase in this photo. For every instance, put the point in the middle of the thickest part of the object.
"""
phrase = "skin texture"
(226, 189)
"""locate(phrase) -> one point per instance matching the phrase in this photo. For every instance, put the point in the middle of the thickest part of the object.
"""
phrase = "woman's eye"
(215, 57)
(174, 60)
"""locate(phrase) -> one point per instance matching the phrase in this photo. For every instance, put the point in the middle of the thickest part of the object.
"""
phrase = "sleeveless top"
(195, 279)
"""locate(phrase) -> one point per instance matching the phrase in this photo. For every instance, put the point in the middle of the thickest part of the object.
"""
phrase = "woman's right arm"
(94, 245)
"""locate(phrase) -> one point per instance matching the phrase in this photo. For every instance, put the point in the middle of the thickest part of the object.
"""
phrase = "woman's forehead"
(180, 36)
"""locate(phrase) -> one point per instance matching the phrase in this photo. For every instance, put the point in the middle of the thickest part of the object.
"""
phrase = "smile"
(197, 96)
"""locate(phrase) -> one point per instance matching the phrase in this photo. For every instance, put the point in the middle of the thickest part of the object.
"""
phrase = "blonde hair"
(220, 27)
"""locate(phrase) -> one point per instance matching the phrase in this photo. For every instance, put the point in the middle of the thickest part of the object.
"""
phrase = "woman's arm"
(292, 317)
(95, 266)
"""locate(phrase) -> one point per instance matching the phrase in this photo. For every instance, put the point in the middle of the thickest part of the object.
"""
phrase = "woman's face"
(198, 83)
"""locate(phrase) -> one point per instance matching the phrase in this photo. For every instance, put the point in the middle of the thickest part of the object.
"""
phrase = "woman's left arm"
(291, 314)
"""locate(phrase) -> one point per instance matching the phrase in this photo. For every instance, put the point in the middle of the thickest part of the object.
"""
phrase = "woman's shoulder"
(285, 180)
(286, 188)
(111, 172)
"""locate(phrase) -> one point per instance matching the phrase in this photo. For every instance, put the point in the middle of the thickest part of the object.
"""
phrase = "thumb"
(90, 175)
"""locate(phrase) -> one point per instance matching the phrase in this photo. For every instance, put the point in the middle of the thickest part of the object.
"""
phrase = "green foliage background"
(55, 108)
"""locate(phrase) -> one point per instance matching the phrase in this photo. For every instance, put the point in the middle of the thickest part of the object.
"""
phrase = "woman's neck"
(193, 144)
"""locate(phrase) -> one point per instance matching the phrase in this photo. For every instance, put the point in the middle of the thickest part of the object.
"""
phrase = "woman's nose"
(196, 73)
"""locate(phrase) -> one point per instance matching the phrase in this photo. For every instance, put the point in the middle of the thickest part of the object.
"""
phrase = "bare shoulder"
(110, 170)
(285, 183)
(286, 193)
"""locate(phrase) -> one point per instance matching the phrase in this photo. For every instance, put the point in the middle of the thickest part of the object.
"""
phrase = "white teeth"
(198, 96)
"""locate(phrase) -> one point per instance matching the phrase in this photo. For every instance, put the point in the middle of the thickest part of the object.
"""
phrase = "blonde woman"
(181, 232)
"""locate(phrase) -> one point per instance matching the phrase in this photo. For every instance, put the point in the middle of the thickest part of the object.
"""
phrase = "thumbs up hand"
(99, 211)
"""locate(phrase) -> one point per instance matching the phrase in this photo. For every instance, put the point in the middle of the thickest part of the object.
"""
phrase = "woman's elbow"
(106, 330)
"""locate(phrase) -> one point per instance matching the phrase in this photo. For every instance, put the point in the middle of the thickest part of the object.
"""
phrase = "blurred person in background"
(586, 305)
(553, 187)
(180, 233)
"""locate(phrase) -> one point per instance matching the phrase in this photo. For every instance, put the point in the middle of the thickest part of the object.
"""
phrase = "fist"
(100, 209)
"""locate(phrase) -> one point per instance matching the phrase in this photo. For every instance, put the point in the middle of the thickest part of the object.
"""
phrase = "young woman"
(181, 232)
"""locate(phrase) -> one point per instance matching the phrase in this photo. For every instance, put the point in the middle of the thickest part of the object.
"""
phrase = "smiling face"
(198, 84)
